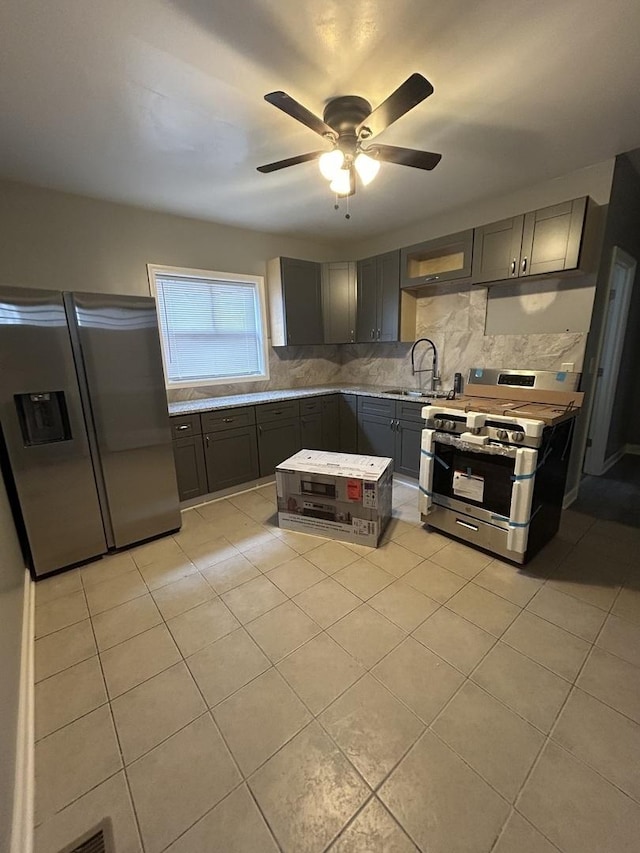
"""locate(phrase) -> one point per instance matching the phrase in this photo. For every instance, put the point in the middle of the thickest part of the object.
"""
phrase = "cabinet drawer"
(309, 407)
(406, 411)
(277, 411)
(182, 426)
(377, 406)
(228, 419)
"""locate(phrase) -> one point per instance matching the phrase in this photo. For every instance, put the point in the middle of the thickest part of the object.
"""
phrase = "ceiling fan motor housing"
(344, 114)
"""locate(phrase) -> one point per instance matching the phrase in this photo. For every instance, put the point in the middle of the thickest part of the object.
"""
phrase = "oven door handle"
(480, 449)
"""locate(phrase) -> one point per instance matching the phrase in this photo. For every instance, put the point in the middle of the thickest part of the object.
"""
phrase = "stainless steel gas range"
(494, 462)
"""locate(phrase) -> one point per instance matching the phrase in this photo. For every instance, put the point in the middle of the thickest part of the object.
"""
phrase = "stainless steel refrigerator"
(85, 440)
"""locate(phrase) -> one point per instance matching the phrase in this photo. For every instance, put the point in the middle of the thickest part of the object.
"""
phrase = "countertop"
(211, 404)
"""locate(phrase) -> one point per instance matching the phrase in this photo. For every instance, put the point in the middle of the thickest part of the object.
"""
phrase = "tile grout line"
(117, 736)
(549, 736)
(325, 630)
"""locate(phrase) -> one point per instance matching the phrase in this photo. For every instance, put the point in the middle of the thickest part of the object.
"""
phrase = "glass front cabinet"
(440, 260)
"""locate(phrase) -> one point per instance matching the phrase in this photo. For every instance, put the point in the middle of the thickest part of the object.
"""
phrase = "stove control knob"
(502, 433)
(449, 425)
(517, 437)
(438, 423)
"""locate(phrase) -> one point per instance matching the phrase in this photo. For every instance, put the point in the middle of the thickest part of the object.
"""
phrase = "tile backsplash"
(453, 318)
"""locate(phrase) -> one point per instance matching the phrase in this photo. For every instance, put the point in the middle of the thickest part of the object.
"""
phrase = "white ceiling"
(160, 102)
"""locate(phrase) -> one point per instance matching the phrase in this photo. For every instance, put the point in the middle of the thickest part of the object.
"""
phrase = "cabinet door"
(339, 302)
(443, 259)
(408, 440)
(348, 423)
(303, 301)
(388, 323)
(311, 431)
(277, 441)
(376, 436)
(496, 250)
(552, 237)
(190, 467)
(231, 457)
(331, 423)
(367, 301)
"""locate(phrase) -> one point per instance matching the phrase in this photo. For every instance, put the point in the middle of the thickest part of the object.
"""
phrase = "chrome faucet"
(435, 378)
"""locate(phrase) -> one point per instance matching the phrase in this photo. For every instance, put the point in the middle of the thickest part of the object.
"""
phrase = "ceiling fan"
(348, 122)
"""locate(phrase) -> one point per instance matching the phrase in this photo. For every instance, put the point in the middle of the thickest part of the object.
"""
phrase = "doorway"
(622, 273)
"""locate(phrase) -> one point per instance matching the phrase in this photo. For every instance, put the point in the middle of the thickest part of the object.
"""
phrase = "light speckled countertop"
(210, 404)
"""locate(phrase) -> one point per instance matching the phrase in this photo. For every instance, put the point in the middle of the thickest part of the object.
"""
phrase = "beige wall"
(60, 241)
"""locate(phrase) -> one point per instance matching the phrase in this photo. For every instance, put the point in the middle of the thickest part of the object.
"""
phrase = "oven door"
(490, 483)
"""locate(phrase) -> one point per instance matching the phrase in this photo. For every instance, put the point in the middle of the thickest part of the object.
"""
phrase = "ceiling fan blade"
(415, 89)
(405, 156)
(290, 161)
(294, 109)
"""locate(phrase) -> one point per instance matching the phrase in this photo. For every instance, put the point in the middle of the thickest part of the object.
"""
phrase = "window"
(212, 326)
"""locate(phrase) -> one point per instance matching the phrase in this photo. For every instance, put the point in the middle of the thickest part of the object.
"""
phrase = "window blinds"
(211, 329)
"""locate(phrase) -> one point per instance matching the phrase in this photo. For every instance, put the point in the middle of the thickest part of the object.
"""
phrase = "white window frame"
(154, 270)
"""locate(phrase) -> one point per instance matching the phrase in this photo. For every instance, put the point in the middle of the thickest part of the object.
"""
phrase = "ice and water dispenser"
(43, 417)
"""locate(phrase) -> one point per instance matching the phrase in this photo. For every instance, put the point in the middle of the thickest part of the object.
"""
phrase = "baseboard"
(570, 497)
(22, 825)
(611, 461)
(633, 449)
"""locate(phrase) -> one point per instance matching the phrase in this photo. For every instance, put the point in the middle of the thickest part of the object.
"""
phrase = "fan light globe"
(366, 167)
(331, 163)
(341, 184)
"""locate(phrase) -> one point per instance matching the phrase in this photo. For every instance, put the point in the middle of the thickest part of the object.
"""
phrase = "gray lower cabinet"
(348, 423)
(191, 473)
(376, 419)
(277, 440)
(391, 428)
(231, 457)
(311, 431)
(330, 407)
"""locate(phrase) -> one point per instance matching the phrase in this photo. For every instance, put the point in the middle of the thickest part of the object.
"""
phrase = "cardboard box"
(343, 496)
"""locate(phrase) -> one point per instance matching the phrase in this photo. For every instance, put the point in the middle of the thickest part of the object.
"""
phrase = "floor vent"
(96, 840)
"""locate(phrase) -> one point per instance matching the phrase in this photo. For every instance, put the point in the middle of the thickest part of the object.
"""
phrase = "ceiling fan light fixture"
(331, 163)
(366, 167)
(341, 184)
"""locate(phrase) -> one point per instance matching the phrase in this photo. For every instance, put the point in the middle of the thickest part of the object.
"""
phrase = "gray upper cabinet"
(339, 302)
(295, 302)
(440, 260)
(552, 238)
(378, 298)
(541, 242)
(496, 250)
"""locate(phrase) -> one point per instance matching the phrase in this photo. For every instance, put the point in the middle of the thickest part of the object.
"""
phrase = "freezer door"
(120, 350)
(44, 432)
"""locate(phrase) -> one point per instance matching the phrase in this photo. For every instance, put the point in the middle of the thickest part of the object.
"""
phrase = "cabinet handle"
(378, 334)
(206, 438)
(259, 429)
(373, 331)
(513, 267)
(227, 420)
(392, 424)
(431, 278)
(277, 413)
(524, 265)
(184, 426)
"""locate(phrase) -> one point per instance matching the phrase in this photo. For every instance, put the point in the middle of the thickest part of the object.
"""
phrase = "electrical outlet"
(568, 366)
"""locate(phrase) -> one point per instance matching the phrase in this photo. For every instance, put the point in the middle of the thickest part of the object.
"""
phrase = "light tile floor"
(238, 688)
